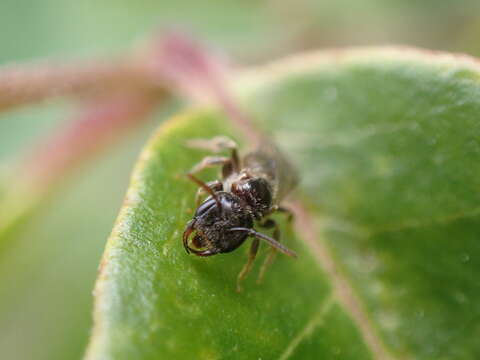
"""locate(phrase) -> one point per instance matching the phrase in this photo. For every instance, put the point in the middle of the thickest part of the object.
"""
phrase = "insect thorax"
(256, 192)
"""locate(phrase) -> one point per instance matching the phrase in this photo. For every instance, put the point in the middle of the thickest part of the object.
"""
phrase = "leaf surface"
(387, 146)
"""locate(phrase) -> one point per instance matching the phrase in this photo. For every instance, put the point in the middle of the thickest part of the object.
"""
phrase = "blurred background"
(48, 269)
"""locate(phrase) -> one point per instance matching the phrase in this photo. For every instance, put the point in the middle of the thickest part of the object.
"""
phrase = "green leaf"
(387, 146)
(158, 301)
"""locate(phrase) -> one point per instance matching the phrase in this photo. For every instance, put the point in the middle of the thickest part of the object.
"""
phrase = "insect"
(249, 191)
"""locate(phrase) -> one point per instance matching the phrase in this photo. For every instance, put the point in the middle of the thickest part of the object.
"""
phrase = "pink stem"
(123, 95)
(194, 71)
(21, 85)
(96, 126)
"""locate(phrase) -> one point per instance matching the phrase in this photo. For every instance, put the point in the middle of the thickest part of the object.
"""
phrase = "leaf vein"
(311, 325)
(342, 290)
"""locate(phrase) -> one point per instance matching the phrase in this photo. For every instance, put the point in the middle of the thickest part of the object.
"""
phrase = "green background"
(47, 273)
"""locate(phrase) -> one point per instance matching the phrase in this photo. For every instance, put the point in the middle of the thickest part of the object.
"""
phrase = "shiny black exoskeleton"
(248, 192)
(212, 224)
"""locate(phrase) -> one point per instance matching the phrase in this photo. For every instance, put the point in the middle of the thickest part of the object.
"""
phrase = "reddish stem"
(21, 85)
(121, 96)
(195, 72)
(96, 126)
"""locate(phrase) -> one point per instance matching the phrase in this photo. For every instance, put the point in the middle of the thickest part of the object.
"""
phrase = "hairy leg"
(217, 145)
(248, 266)
(286, 211)
(208, 162)
(269, 223)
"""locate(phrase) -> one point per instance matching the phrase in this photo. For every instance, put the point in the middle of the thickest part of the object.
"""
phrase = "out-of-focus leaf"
(387, 143)
(48, 272)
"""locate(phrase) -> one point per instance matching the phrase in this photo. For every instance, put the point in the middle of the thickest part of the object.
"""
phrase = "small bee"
(249, 191)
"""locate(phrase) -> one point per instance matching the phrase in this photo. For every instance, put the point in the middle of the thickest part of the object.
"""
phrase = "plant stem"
(22, 85)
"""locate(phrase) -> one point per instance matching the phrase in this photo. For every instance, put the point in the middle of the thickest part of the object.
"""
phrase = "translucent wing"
(269, 162)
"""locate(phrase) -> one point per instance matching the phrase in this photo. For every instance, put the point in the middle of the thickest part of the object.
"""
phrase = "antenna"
(205, 187)
(271, 241)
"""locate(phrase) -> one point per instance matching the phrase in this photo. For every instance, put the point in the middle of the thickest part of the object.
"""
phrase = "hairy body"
(250, 189)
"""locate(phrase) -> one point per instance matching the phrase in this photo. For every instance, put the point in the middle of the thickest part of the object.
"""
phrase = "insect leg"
(269, 223)
(248, 266)
(217, 145)
(290, 215)
(215, 185)
(208, 162)
(235, 160)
